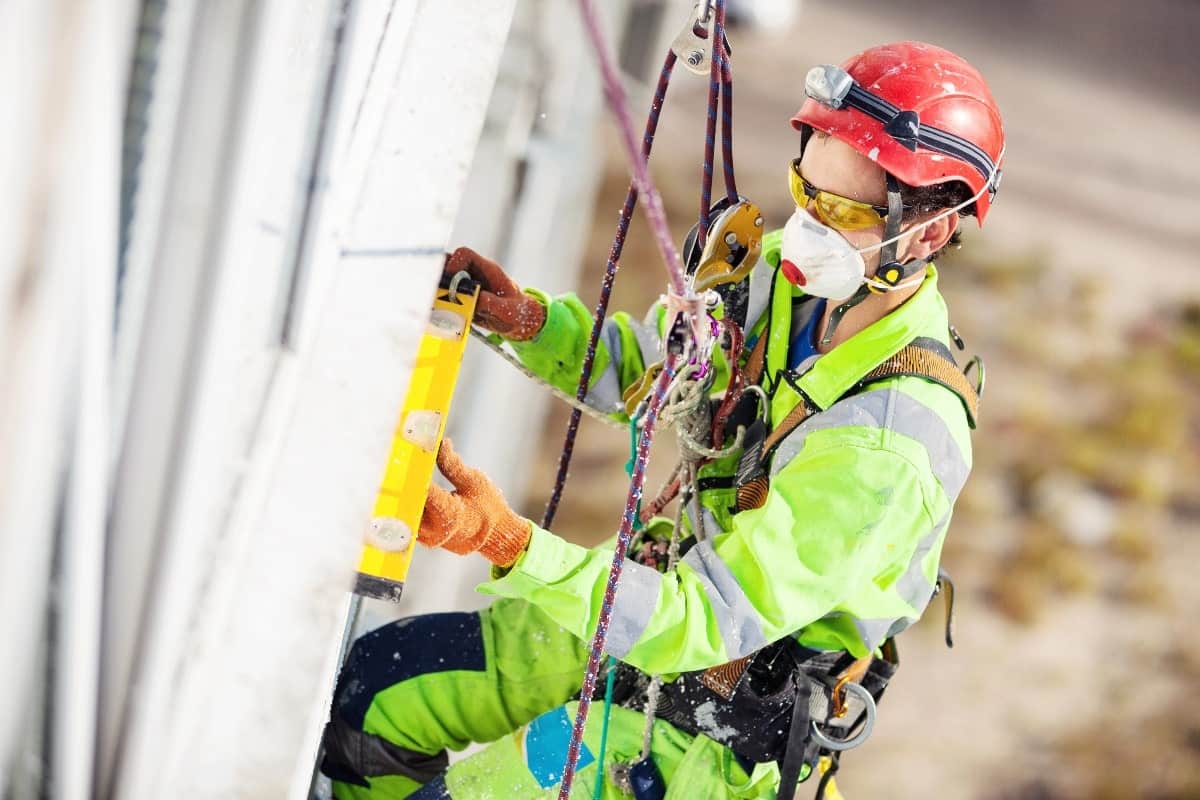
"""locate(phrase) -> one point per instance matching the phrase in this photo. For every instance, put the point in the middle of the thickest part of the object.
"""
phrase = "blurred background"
(228, 217)
(1075, 542)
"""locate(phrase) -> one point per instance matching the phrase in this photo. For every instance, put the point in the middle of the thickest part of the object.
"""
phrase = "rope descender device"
(732, 247)
(391, 534)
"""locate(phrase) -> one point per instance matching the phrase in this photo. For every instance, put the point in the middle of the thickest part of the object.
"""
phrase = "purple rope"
(637, 479)
(652, 200)
(662, 234)
(610, 274)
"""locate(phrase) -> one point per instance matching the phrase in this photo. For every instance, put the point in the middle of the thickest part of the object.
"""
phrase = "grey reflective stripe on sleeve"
(868, 410)
(875, 632)
(736, 617)
(918, 421)
(711, 527)
(637, 597)
(647, 337)
(605, 391)
(893, 409)
(913, 587)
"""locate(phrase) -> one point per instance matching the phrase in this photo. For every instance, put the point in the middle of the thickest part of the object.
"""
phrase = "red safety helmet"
(922, 113)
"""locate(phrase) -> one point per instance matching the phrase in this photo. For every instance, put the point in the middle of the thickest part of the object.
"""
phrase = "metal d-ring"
(837, 745)
(455, 280)
(976, 361)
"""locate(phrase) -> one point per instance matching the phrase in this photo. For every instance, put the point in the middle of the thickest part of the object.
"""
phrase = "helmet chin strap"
(891, 274)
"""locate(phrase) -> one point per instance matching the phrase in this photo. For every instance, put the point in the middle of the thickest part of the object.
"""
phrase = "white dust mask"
(818, 259)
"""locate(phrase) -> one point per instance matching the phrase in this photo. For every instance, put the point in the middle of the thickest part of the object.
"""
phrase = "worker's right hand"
(502, 308)
(474, 517)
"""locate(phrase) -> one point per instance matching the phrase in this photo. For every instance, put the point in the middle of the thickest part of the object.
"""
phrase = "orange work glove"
(473, 518)
(502, 308)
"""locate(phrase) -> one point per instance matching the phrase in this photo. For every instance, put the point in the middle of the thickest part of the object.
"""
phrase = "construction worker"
(798, 587)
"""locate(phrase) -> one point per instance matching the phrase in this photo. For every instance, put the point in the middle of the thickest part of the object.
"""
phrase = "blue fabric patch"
(434, 790)
(804, 341)
(547, 740)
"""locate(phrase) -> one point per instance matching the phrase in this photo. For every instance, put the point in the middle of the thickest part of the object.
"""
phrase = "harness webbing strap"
(802, 411)
(724, 678)
(798, 741)
(922, 358)
(756, 361)
(930, 359)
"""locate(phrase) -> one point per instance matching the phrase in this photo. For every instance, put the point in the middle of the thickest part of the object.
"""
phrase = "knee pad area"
(403, 650)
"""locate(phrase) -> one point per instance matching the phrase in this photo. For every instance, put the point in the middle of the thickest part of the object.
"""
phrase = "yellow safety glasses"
(840, 213)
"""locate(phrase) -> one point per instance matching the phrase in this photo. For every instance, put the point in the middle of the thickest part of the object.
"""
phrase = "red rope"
(610, 274)
(681, 298)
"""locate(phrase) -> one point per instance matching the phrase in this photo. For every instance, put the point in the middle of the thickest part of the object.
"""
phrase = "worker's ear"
(932, 237)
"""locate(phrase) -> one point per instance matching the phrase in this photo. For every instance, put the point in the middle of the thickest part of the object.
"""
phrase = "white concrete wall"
(62, 77)
(270, 367)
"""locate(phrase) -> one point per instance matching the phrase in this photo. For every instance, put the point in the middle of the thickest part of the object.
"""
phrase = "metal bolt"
(695, 57)
(731, 239)
(758, 222)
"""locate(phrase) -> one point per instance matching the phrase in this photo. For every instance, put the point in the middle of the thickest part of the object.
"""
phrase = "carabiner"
(838, 745)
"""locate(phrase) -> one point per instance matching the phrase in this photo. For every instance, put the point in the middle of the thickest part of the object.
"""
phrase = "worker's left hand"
(473, 518)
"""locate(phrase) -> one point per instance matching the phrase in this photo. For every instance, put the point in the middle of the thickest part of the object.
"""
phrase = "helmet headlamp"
(828, 85)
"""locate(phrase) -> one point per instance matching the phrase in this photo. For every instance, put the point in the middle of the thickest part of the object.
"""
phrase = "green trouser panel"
(517, 699)
(528, 763)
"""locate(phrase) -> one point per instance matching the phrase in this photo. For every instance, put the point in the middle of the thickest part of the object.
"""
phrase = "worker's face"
(834, 166)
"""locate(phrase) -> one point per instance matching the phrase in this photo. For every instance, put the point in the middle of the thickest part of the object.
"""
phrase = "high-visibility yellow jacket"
(843, 553)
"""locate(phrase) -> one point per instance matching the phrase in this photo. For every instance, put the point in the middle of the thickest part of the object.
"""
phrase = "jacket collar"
(833, 374)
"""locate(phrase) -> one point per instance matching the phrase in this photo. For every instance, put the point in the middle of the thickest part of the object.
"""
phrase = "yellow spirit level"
(391, 535)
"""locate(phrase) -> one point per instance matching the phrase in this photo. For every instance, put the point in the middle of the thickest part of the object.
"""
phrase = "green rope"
(633, 446)
(608, 693)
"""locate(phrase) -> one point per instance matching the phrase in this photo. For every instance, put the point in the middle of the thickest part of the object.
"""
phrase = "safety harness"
(787, 703)
(923, 357)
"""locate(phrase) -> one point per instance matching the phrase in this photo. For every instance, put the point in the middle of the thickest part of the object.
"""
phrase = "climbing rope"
(720, 84)
(610, 274)
(614, 574)
(689, 315)
(720, 93)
